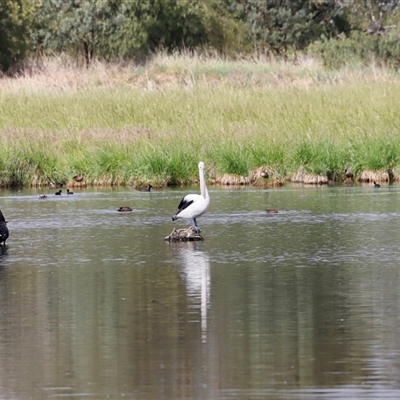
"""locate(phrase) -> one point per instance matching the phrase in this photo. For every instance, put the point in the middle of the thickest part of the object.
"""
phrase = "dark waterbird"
(377, 185)
(58, 193)
(42, 197)
(78, 178)
(3, 229)
(148, 189)
(68, 192)
(348, 173)
(124, 209)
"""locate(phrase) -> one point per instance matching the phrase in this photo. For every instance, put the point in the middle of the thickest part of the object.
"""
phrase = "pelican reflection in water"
(195, 272)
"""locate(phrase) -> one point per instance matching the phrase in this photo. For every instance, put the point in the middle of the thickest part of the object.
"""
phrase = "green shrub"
(358, 49)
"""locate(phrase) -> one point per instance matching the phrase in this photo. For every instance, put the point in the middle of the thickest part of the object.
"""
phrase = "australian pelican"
(194, 205)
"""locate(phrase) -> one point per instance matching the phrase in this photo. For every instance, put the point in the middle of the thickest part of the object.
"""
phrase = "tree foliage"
(124, 29)
(117, 29)
(88, 28)
(370, 15)
(16, 18)
(277, 26)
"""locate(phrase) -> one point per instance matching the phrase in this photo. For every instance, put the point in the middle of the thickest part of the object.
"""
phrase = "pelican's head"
(201, 165)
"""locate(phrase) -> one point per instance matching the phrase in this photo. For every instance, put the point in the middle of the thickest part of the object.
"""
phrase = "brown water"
(304, 304)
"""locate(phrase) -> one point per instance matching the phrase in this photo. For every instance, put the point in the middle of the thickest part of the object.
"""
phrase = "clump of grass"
(321, 158)
(16, 173)
(378, 154)
(171, 168)
(231, 159)
(181, 169)
(267, 153)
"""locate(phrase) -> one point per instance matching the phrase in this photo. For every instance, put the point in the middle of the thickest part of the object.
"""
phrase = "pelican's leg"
(195, 226)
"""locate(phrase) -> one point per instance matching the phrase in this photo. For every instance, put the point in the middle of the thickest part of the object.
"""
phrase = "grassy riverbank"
(153, 123)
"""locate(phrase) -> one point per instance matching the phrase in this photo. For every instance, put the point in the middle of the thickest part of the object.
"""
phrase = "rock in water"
(183, 235)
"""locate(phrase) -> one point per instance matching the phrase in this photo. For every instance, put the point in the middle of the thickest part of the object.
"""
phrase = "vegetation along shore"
(251, 122)
(138, 92)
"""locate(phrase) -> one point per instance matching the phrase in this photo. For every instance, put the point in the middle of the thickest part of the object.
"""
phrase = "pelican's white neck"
(203, 186)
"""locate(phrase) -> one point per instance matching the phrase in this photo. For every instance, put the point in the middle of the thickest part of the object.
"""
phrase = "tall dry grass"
(185, 71)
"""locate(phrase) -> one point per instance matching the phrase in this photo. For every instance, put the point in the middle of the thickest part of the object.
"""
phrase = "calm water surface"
(304, 304)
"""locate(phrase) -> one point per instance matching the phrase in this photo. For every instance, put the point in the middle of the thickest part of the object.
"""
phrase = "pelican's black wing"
(187, 201)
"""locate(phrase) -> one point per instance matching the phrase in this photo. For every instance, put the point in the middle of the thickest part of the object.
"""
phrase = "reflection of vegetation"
(125, 129)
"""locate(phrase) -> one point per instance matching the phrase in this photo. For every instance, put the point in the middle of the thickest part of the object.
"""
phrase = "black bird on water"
(377, 185)
(124, 209)
(68, 192)
(3, 229)
(148, 189)
(58, 193)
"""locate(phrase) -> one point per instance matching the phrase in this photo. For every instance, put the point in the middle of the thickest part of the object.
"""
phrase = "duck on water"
(124, 209)
(148, 189)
